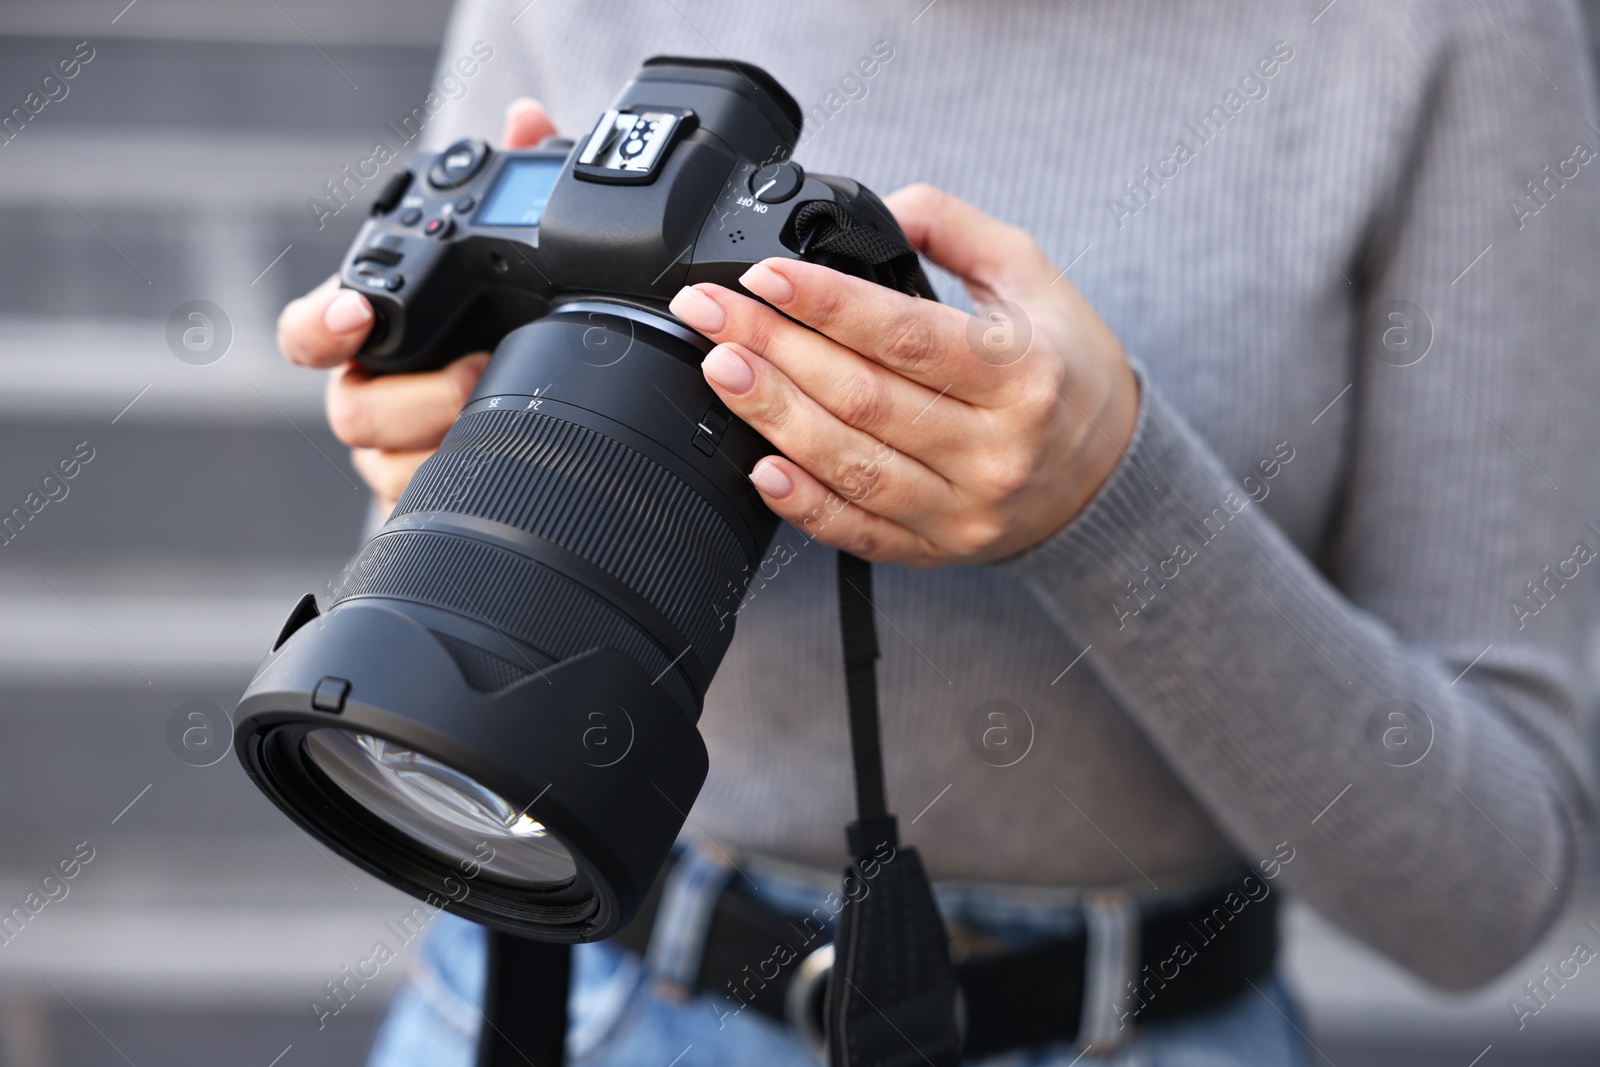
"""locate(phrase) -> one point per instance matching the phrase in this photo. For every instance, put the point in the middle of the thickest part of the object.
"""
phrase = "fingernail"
(348, 311)
(724, 367)
(698, 310)
(771, 481)
(768, 284)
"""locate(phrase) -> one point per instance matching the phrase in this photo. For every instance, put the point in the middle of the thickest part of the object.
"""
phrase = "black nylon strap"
(860, 636)
(824, 226)
(524, 1003)
(892, 995)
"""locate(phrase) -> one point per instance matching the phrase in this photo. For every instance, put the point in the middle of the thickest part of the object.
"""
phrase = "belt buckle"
(803, 1014)
(801, 1009)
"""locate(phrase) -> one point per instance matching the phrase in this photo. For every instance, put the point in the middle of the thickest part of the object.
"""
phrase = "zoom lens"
(498, 709)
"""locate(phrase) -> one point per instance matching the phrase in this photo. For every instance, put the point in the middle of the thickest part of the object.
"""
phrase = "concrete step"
(159, 500)
(194, 81)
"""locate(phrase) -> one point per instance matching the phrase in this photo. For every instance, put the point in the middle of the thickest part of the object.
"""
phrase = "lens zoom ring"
(509, 592)
(597, 498)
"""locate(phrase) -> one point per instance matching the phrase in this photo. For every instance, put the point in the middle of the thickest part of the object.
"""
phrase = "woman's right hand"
(391, 422)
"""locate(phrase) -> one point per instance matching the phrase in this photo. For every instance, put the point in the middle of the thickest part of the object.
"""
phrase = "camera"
(497, 710)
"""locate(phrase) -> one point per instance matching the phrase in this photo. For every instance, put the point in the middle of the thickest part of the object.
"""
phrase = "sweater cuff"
(1165, 501)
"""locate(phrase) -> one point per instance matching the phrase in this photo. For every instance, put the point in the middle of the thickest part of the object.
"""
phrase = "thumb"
(993, 258)
(527, 124)
(467, 370)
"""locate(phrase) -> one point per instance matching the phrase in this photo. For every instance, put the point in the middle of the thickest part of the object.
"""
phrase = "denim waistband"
(1010, 913)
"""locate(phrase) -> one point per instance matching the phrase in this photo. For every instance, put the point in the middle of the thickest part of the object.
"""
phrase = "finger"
(851, 463)
(399, 412)
(387, 473)
(994, 259)
(860, 392)
(325, 327)
(1001, 262)
(927, 342)
(526, 124)
(826, 516)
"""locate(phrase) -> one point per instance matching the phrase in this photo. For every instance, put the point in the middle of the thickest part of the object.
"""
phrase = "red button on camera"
(440, 228)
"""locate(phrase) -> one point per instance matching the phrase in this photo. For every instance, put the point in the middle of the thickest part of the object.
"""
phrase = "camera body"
(686, 179)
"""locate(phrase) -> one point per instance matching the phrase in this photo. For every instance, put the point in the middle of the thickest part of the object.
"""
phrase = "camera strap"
(524, 1002)
(825, 228)
(892, 994)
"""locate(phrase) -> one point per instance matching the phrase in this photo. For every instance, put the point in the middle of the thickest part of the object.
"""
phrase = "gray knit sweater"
(1337, 594)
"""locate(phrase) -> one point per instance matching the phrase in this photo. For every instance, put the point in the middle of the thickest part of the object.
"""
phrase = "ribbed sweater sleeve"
(1267, 679)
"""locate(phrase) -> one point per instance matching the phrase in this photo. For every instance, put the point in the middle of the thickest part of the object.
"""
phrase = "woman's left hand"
(911, 432)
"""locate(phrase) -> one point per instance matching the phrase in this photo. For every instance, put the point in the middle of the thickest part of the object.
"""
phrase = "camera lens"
(441, 808)
(528, 640)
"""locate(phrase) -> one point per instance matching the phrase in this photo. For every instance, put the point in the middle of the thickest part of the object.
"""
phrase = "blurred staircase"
(178, 169)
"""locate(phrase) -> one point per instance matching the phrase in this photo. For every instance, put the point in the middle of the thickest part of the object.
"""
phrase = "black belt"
(1190, 957)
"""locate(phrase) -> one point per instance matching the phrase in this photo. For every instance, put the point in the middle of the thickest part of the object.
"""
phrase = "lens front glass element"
(441, 809)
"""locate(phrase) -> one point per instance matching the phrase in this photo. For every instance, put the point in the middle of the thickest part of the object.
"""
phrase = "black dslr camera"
(496, 712)
(687, 179)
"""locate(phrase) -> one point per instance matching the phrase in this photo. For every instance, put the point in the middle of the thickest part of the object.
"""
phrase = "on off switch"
(708, 432)
(776, 182)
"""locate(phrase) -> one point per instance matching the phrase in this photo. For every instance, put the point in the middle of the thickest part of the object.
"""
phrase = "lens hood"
(587, 746)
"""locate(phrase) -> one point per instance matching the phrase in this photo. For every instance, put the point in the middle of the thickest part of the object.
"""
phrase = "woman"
(1255, 505)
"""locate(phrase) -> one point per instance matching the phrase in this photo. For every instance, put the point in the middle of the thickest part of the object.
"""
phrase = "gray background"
(177, 168)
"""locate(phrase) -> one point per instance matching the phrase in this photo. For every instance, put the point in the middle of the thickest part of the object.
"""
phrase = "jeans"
(621, 1014)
